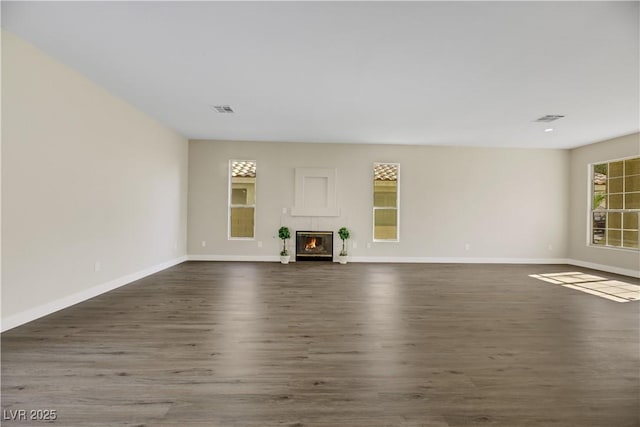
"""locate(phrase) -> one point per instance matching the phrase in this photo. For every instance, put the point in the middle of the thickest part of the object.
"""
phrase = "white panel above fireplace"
(315, 192)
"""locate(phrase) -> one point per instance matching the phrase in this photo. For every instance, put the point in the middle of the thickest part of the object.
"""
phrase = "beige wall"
(86, 179)
(507, 204)
(624, 261)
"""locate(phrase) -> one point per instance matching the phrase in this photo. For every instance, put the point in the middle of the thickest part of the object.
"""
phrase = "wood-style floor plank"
(322, 344)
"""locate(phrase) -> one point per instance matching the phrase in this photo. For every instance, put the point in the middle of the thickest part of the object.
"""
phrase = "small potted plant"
(284, 234)
(344, 234)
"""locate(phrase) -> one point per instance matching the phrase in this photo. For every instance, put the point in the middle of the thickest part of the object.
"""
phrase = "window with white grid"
(615, 203)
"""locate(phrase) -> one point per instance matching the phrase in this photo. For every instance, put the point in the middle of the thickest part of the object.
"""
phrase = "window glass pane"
(614, 237)
(242, 222)
(243, 191)
(599, 225)
(242, 198)
(631, 183)
(632, 167)
(385, 224)
(614, 220)
(599, 200)
(615, 185)
(598, 237)
(385, 193)
(601, 168)
(630, 239)
(615, 169)
(630, 220)
(632, 201)
(599, 220)
(600, 186)
(238, 196)
(615, 201)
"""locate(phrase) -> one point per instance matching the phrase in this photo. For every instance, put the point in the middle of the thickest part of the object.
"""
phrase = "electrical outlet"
(467, 246)
(368, 245)
(97, 266)
(550, 247)
(284, 210)
(259, 243)
(354, 245)
(204, 243)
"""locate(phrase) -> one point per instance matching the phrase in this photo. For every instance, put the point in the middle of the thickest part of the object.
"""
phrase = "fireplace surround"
(314, 245)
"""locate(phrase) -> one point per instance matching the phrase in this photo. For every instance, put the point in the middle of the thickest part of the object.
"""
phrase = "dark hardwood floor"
(317, 344)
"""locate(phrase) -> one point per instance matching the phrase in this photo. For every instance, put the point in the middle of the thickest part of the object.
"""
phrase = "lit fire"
(311, 244)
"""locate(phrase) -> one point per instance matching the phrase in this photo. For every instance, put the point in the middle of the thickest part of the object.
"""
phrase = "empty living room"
(320, 213)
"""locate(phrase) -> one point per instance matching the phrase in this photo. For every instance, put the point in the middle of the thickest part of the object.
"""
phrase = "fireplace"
(314, 245)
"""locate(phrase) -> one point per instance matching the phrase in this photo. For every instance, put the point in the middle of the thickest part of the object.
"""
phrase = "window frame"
(397, 207)
(591, 210)
(230, 205)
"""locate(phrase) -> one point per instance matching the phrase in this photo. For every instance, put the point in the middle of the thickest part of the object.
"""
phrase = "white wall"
(86, 178)
(615, 260)
(508, 204)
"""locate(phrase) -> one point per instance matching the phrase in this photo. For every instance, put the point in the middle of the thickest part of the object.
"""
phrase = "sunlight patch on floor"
(613, 290)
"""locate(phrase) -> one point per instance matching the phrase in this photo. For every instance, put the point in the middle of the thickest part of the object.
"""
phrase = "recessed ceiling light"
(222, 108)
(548, 130)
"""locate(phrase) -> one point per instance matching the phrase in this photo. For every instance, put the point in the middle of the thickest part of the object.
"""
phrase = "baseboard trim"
(417, 260)
(246, 258)
(460, 260)
(73, 299)
(427, 260)
(607, 268)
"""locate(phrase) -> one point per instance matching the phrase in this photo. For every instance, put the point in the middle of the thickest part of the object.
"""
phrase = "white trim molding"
(247, 258)
(433, 260)
(415, 260)
(460, 260)
(64, 302)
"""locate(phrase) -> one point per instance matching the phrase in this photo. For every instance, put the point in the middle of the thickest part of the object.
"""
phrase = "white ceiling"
(454, 73)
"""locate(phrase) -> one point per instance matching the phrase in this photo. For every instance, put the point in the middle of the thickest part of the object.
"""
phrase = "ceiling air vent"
(222, 108)
(549, 118)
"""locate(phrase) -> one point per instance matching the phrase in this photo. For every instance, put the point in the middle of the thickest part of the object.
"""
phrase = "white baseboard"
(435, 260)
(59, 304)
(247, 258)
(460, 260)
(452, 260)
(607, 268)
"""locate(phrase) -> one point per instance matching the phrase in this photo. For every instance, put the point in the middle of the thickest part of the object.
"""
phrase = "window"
(242, 199)
(385, 201)
(615, 204)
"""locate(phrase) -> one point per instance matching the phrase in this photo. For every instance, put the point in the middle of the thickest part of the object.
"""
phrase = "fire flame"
(311, 243)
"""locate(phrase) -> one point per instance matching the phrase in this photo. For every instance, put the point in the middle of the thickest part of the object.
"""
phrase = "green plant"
(600, 168)
(284, 234)
(344, 234)
(598, 198)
